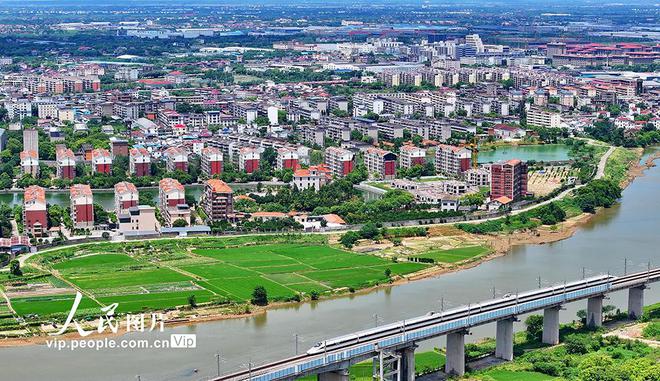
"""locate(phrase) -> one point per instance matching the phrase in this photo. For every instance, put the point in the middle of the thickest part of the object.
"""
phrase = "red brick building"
(380, 163)
(35, 213)
(66, 163)
(126, 196)
(248, 159)
(218, 202)
(101, 161)
(340, 161)
(140, 162)
(82, 206)
(287, 158)
(211, 161)
(508, 178)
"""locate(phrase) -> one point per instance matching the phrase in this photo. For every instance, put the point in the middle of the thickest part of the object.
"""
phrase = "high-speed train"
(438, 317)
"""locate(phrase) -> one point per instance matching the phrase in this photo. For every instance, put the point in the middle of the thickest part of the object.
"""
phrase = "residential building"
(30, 140)
(211, 161)
(537, 116)
(139, 162)
(478, 177)
(218, 200)
(452, 160)
(339, 161)
(410, 156)
(101, 161)
(126, 196)
(315, 177)
(82, 206)
(172, 201)
(287, 158)
(118, 147)
(508, 178)
(248, 159)
(30, 163)
(138, 220)
(35, 212)
(66, 163)
(380, 163)
(177, 159)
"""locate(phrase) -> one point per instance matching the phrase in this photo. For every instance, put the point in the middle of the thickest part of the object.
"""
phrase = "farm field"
(455, 255)
(162, 275)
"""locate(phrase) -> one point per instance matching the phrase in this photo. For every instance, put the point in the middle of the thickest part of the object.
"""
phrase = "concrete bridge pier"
(551, 325)
(504, 339)
(337, 375)
(407, 371)
(636, 302)
(595, 311)
(455, 362)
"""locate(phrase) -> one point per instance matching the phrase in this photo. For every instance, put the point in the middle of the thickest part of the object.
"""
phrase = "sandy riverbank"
(501, 245)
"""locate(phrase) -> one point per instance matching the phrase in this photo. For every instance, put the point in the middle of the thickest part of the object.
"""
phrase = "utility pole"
(493, 292)
(625, 266)
(217, 357)
(583, 272)
(539, 279)
(296, 339)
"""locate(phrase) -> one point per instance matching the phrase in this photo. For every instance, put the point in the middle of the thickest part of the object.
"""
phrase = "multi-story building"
(177, 159)
(30, 163)
(315, 177)
(139, 162)
(138, 219)
(410, 156)
(30, 140)
(248, 159)
(537, 116)
(380, 163)
(287, 158)
(339, 161)
(218, 201)
(211, 161)
(126, 196)
(508, 178)
(478, 177)
(118, 147)
(172, 201)
(101, 161)
(35, 213)
(82, 206)
(452, 160)
(66, 163)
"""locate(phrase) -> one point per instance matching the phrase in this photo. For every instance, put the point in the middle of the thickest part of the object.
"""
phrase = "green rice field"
(455, 255)
(160, 275)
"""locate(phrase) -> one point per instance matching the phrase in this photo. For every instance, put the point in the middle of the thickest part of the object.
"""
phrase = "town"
(215, 162)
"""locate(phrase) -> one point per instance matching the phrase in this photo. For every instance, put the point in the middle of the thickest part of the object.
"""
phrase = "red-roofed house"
(101, 161)
(35, 213)
(410, 156)
(82, 206)
(126, 196)
(248, 159)
(315, 177)
(211, 161)
(139, 162)
(287, 158)
(30, 163)
(218, 202)
(66, 163)
(172, 201)
(177, 159)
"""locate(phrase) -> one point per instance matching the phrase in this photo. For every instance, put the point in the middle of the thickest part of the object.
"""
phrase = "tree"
(179, 223)
(314, 295)
(388, 272)
(192, 301)
(534, 324)
(349, 239)
(15, 268)
(369, 231)
(259, 296)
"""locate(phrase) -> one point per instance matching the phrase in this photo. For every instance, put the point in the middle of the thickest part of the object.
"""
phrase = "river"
(628, 230)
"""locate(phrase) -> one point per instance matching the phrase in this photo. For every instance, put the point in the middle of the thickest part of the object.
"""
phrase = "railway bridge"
(392, 346)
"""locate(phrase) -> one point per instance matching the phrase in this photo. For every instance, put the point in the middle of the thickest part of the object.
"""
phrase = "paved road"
(600, 172)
